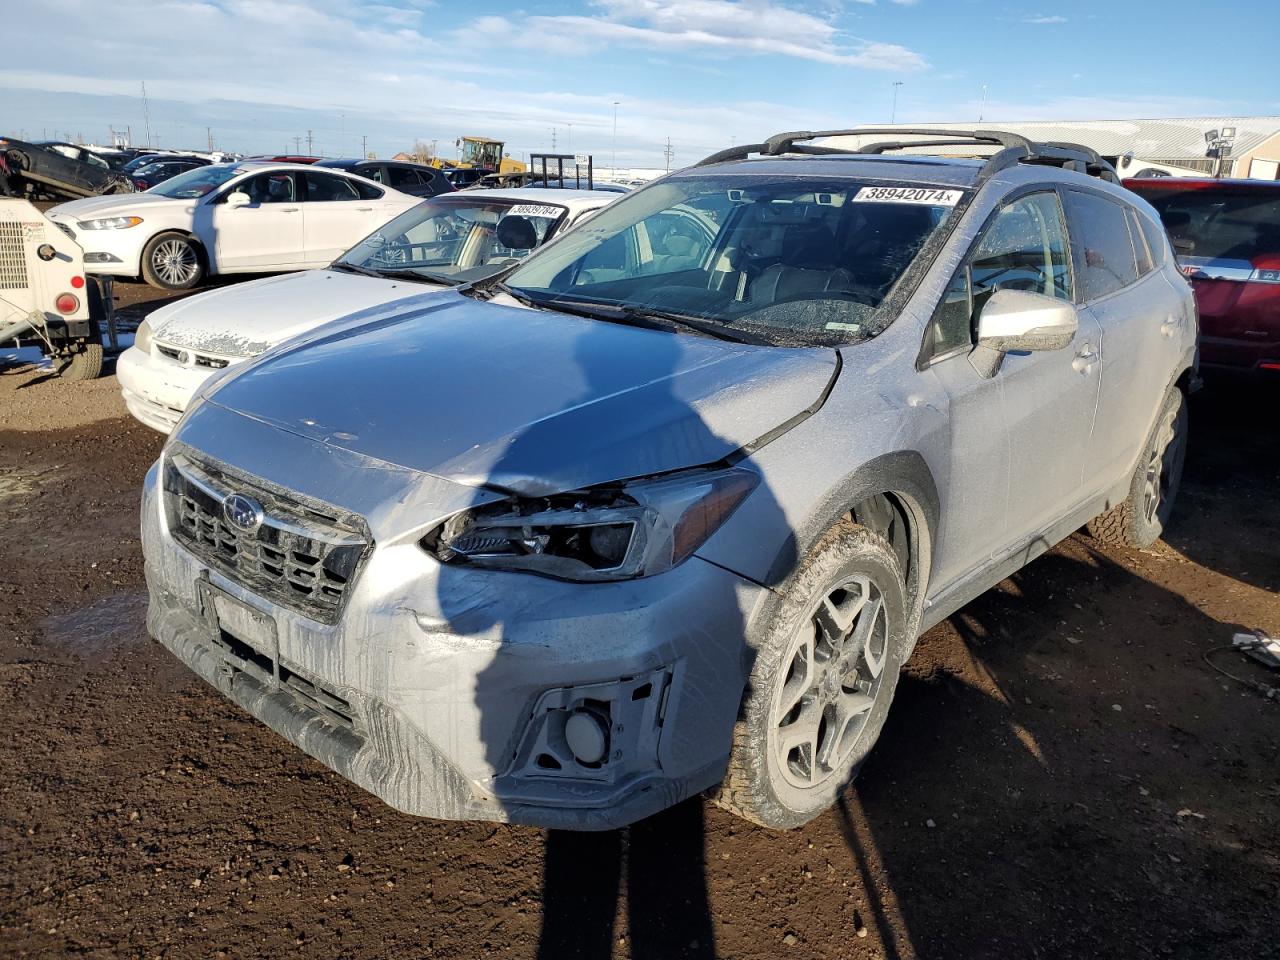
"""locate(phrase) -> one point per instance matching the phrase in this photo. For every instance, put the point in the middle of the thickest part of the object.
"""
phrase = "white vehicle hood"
(122, 205)
(245, 319)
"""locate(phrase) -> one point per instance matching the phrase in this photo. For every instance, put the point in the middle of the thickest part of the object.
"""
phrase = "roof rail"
(1015, 148)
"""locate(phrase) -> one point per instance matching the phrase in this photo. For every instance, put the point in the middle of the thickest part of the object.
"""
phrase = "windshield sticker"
(535, 210)
(836, 325)
(926, 195)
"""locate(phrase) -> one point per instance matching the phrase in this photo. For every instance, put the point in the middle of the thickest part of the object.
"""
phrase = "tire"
(85, 359)
(795, 680)
(172, 261)
(1139, 519)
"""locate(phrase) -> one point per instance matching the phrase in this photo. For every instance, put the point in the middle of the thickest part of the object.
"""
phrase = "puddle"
(101, 627)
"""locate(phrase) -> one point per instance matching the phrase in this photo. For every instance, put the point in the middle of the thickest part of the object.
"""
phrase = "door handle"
(1171, 326)
(1084, 360)
(288, 209)
(364, 209)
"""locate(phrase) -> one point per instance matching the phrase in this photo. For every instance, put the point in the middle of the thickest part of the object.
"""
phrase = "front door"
(1019, 438)
(336, 215)
(265, 234)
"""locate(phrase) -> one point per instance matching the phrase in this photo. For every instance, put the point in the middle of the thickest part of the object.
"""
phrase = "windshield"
(197, 182)
(457, 238)
(1219, 223)
(791, 259)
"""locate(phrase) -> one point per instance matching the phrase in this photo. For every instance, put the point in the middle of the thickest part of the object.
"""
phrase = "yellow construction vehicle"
(480, 153)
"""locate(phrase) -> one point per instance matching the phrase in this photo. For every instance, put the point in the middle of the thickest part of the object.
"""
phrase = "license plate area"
(245, 635)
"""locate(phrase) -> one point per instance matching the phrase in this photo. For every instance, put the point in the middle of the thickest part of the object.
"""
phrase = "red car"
(1227, 237)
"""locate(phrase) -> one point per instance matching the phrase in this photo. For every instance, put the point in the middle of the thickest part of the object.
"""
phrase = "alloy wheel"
(175, 262)
(833, 680)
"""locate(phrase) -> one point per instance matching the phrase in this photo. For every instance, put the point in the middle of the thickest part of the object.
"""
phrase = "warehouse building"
(1180, 143)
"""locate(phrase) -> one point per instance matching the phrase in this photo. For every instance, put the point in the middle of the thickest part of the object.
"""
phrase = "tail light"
(66, 303)
(140, 184)
(1266, 268)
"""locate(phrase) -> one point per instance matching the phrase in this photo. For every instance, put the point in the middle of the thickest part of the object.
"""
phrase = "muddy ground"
(1062, 775)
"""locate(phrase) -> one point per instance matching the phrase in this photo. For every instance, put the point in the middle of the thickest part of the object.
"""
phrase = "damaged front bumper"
(449, 692)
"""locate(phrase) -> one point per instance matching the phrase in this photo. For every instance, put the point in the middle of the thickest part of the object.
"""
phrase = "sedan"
(415, 179)
(228, 218)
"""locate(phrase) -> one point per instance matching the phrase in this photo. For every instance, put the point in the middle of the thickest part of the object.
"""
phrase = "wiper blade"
(708, 327)
(402, 273)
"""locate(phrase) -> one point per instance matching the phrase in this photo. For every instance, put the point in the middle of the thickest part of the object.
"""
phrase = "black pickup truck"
(56, 170)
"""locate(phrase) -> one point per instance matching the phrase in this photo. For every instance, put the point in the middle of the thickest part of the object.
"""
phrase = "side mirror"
(1018, 320)
(238, 198)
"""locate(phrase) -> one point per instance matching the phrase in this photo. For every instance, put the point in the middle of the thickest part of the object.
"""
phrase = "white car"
(228, 218)
(448, 240)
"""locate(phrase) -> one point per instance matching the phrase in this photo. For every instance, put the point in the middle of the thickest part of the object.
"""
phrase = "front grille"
(196, 359)
(13, 256)
(305, 555)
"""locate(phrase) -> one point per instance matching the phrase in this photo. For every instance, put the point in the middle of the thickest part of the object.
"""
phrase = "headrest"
(517, 233)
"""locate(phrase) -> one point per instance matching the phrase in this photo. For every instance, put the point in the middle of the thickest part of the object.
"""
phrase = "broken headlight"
(614, 532)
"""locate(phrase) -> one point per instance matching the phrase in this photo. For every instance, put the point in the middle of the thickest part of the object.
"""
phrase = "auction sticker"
(535, 210)
(926, 195)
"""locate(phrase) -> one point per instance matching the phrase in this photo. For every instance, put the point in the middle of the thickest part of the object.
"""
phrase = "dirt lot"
(1062, 775)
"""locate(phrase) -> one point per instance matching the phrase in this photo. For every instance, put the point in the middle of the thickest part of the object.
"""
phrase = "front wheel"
(825, 672)
(172, 261)
(1139, 519)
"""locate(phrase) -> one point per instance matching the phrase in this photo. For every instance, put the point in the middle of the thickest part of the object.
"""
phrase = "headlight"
(614, 532)
(109, 223)
(142, 338)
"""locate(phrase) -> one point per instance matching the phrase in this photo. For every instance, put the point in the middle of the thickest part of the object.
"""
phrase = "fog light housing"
(587, 737)
(101, 258)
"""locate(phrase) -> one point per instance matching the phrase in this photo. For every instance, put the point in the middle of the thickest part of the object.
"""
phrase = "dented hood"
(245, 319)
(527, 400)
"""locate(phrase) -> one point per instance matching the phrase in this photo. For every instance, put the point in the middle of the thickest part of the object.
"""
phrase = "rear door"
(338, 213)
(1140, 318)
(265, 234)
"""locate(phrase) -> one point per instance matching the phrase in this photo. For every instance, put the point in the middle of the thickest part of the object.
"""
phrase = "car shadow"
(1232, 471)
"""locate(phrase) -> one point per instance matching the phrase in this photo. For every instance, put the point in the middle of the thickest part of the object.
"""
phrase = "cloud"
(1040, 18)
(760, 27)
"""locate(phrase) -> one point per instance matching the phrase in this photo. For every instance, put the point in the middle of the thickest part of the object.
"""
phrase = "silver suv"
(664, 508)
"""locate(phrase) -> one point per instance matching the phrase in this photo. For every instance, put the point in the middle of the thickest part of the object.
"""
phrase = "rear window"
(1220, 223)
(1100, 244)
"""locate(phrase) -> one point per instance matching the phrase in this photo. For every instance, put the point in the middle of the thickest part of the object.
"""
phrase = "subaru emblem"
(243, 513)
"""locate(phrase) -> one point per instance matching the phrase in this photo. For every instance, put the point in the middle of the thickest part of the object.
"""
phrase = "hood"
(114, 205)
(244, 319)
(525, 400)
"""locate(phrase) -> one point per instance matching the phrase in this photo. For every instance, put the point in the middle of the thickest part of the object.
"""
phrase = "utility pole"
(893, 116)
(613, 170)
(310, 140)
(553, 139)
(208, 132)
(364, 147)
(146, 112)
(983, 110)
(668, 153)
(297, 145)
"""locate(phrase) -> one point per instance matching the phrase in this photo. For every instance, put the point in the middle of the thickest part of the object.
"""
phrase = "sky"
(703, 74)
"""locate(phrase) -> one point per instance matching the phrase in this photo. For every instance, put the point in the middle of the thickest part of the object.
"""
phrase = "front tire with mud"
(1139, 519)
(824, 675)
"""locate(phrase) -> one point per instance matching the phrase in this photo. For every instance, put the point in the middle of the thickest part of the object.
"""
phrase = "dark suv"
(1227, 237)
(415, 179)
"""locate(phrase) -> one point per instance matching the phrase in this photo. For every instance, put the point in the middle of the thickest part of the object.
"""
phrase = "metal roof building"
(1178, 142)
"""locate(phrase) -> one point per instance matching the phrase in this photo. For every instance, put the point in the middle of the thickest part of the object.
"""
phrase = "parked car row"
(663, 506)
